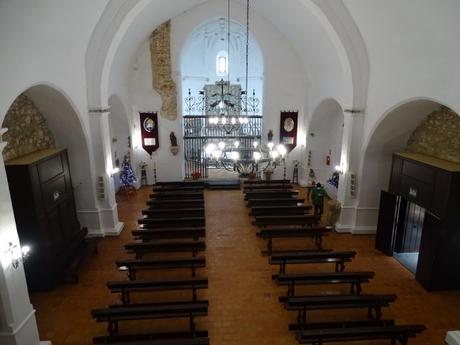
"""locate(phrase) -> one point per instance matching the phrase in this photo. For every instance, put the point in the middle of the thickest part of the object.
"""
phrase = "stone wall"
(27, 129)
(160, 52)
(438, 135)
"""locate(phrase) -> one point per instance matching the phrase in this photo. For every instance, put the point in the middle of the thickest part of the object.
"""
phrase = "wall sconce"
(339, 169)
(16, 255)
(114, 171)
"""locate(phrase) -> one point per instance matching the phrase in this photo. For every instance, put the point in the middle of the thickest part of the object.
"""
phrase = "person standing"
(317, 198)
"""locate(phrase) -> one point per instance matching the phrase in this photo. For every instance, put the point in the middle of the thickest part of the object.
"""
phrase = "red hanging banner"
(288, 129)
(149, 132)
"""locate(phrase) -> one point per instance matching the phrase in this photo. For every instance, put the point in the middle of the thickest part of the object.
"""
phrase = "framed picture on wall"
(288, 129)
(149, 131)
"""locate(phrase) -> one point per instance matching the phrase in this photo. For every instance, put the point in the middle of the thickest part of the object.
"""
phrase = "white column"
(17, 316)
(349, 162)
(102, 153)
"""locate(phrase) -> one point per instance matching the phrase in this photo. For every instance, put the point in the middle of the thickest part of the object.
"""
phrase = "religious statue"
(173, 139)
(270, 136)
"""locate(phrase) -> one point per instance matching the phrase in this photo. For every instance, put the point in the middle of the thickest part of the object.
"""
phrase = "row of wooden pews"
(279, 213)
(169, 238)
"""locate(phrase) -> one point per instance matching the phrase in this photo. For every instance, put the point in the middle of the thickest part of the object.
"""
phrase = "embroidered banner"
(288, 129)
(149, 132)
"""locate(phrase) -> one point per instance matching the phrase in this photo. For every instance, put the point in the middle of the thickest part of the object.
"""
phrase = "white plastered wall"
(413, 54)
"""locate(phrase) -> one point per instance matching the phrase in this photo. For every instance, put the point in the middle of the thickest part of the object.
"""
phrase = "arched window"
(222, 63)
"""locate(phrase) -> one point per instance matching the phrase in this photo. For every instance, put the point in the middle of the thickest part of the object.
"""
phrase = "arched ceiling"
(322, 32)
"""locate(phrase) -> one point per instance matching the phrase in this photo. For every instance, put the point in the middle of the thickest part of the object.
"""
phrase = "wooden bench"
(179, 183)
(172, 222)
(355, 279)
(307, 220)
(174, 188)
(262, 186)
(316, 233)
(168, 233)
(177, 212)
(270, 194)
(134, 265)
(346, 332)
(303, 304)
(279, 210)
(254, 182)
(142, 248)
(301, 257)
(133, 312)
(126, 287)
(175, 203)
(173, 338)
(177, 195)
(275, 202)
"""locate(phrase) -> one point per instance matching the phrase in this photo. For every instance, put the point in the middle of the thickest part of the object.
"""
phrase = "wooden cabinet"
(44, 209)
(434, 185)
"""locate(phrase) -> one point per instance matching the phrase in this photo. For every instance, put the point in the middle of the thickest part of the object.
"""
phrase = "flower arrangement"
(196, 175)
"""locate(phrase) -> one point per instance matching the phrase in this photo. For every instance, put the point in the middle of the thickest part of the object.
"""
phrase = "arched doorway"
(52, 121)
(324, 143)
(120, 132)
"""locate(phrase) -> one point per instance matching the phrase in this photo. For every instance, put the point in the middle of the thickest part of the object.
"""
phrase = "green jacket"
(317, 195)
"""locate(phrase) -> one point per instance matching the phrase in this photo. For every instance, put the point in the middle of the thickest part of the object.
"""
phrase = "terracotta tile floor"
(243, 300)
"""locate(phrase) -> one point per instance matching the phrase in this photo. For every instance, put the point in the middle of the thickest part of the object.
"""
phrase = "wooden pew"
(316, 233)
(142, 248)
(133, 312)
(275, 202)
(304, 304)
(168, 233)
(177, 195)
(270, 194)
(175, 203)
(355, 279)
(346, 333)
(173, 338)
(173, 188)
(178, 212)
(254, 182)
(307, 220)
(132, 266)
(260, 186)
(126, 287)
(179, 183)
(302, 257)
(172, 222)
(279, 210)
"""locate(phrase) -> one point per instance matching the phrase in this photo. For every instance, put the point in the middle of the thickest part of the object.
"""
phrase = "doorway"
(409, 234)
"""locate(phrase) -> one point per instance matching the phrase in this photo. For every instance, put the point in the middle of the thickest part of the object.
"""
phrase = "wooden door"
(388, 214)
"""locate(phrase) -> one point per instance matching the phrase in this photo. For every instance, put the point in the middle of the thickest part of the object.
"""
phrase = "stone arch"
(325, 133)
(65, 124)
(390, 134)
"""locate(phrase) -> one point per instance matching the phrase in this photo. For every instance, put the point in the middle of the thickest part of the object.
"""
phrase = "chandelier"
(246, 161)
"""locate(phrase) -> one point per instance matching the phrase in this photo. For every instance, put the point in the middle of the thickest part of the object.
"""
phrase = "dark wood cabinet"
(434, 185)
(44, 210)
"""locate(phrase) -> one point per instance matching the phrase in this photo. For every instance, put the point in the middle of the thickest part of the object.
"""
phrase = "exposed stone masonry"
(160, 52)
(438, 135)
(27, 129)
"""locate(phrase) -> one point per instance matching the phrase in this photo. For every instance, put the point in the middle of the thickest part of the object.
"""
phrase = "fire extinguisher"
(328, 158)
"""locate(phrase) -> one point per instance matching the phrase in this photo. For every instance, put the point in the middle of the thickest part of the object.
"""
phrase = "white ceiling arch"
(322, 32)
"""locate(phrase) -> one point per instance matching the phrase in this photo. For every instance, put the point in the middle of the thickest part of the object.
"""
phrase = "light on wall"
(340, 169)
(114, 171)
(14, 254)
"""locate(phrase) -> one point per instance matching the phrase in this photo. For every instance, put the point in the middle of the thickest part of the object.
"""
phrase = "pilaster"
(107, 213)
(18, 325)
